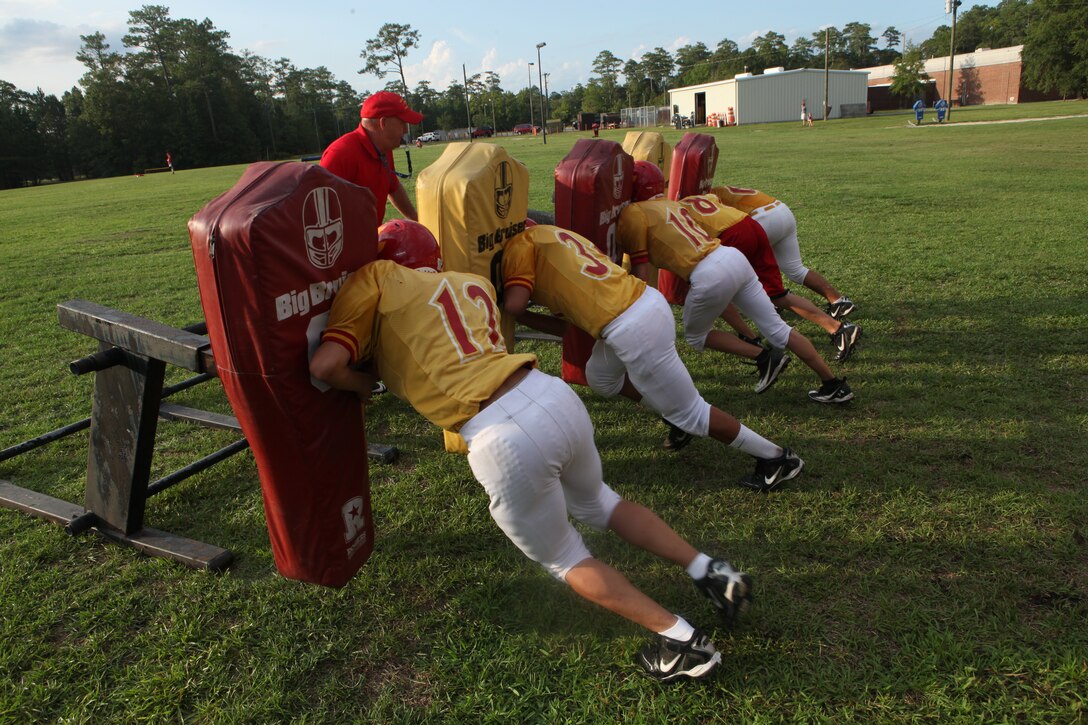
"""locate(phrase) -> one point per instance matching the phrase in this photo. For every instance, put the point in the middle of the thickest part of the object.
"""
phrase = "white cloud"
(515, 75)
(678, 43)
(462, 36)
(436, 68)
(37, 41)
(745, 41)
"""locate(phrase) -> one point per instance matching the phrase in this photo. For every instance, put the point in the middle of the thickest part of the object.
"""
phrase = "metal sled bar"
(196, 467)
(44, 438)
(169, 411)
(186, 384)
(64, 431)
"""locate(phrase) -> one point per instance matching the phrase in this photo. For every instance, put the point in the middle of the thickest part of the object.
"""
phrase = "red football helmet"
(409, 244)
(649, 181)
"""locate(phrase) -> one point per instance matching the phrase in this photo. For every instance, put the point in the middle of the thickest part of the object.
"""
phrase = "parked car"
(523, 128)
(428, 136)
(483, 132)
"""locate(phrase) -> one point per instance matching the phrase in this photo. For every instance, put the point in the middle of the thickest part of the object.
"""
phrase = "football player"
(434, 338)
(634, 353)
(781, 227)
(736, 229)
(662, 232)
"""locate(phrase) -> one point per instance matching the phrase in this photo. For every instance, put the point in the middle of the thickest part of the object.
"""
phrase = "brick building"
(987, 76)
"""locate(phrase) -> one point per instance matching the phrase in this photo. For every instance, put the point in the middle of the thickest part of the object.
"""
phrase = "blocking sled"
(270, 254)
(650, 146)
(592, 187)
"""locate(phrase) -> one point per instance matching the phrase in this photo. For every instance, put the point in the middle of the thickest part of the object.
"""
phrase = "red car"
(483, 132)
(523, 128)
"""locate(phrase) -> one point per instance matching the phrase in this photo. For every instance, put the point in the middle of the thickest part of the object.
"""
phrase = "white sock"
(754, 444)
(681, 631)
(699, 565)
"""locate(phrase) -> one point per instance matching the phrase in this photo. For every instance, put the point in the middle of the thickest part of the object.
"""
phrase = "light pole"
(531, 119)
(540, 81)
(545, 101)
(951, 6)
(491, 75)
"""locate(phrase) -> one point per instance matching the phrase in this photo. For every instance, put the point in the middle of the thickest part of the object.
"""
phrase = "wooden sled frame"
(127, 404)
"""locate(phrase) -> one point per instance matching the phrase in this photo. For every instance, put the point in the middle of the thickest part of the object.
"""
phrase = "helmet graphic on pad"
(649, 181)
(409, 244)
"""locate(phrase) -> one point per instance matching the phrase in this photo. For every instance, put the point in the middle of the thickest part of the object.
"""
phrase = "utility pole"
(827, 51)
(540, 81)
(546, 112)
(468, 109)
(531, 113)
(951, 6)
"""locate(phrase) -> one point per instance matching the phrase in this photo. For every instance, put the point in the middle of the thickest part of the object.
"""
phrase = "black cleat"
(769, 365)
(667, 659)
(677, 438)
(727, 589)
(833, 391)
(771, 472)
(841, 309)
(844, 339)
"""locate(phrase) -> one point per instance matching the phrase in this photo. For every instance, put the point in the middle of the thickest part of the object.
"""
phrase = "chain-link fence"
(643, 116)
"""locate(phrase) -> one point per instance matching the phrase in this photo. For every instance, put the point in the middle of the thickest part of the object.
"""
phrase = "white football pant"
(641, 343)
(533, 452)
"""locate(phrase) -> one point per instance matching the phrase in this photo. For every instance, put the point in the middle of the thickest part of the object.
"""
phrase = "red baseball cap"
(385, 104)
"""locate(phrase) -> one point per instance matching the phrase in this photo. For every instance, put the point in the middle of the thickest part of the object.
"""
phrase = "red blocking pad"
(592, 187)
(694, 161)
(270, 255)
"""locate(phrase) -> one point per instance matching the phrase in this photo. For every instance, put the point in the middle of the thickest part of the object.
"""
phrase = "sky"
(40, 38)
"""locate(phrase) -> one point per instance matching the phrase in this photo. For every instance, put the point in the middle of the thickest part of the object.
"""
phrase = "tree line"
(181, 89)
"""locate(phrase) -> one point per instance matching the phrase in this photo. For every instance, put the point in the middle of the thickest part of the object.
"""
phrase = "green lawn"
(930, 563)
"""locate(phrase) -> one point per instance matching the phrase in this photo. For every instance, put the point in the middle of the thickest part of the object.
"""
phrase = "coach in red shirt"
(365, 156)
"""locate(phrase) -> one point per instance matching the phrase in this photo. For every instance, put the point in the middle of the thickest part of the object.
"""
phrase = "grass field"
(931, 562)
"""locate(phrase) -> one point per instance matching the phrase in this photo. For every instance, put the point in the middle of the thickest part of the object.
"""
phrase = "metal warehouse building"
(774, 95)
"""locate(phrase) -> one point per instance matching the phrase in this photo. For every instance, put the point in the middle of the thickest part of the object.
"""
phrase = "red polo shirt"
(354, 158)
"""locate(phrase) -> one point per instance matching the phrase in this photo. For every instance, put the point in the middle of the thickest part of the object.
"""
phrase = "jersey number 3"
(461, 333)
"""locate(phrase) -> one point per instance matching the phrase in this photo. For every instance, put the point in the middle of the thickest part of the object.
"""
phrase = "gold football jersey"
(747, 200)
(712, 215)
(568, 274)
(665, 233)
(434, 337)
